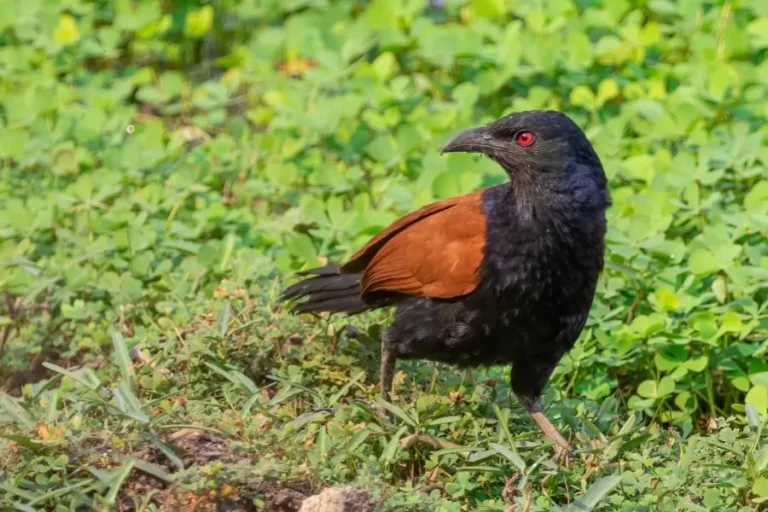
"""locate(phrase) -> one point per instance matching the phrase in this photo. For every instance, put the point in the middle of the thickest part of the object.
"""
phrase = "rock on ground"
(339, 499)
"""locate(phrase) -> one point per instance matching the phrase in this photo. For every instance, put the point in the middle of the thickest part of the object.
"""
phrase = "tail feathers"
(327, 291)
(328, 270)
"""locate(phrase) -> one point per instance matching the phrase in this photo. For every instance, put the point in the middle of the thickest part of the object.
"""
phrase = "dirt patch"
(284, 497)
(36, 372)
(277, 497)
(196, 449)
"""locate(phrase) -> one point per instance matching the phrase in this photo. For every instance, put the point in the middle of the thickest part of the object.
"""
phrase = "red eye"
(524, 138)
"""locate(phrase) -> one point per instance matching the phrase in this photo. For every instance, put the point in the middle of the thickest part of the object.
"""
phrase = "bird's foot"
(564, 452)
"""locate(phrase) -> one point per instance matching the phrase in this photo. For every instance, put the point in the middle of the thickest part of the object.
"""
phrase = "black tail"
(328, 291)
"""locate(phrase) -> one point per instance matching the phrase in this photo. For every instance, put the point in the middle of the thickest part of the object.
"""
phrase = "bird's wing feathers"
(435, 251)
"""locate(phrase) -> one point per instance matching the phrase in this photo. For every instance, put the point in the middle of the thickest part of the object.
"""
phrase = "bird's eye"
(524, 138)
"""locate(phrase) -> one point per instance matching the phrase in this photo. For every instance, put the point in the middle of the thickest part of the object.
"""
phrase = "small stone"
(339, 499)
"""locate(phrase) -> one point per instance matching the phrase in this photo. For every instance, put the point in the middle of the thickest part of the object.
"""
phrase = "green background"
(168, 165)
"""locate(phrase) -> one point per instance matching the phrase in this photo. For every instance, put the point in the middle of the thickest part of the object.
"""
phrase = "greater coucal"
(506, 274)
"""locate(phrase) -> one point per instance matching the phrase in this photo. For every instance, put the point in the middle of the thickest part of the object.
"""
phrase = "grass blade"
(72, 375)
(397, 411)
(168, 452)
(479, 469)
(121, 355)
(12, 489)
(511, 456)
(226, 255)
(51, 411)
(503, 422)
(597, 491)
(118, 481)
(226, 312)
(356, 440)
(238, 379)
(343, 391)
(388, 455)
(16, 411)
(128, 403)
(442, 421)
(290, 384)
(26, 442)
(149, 468)
(58, 492)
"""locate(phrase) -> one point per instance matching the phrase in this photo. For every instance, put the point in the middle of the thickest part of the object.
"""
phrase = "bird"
(503, 275)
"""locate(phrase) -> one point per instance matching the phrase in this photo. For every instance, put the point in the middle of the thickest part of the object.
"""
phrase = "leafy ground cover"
(166, 166)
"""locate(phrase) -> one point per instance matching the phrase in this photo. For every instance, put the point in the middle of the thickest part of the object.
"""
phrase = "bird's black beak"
(471, 140)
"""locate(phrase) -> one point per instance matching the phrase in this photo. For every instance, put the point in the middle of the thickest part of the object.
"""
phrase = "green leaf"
(647, 389)
(720, 289)
(667, 299)
(357, 440)
(730, 322)
(696, 364)
(757, 198)
(385, 65)
(607, 90)
(760, 487)
(445, 185)
(66, 31)
(593, 495)
(383, 13)
(758, 396)
(686, 401)
(199, 22)
(582, 96)
(702, 261)
(753, 417)
(652, 389)
(666, 387)
(711, 498)
(758, 31)
(489, 8)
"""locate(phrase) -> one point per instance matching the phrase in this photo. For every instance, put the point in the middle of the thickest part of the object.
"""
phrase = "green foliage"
(166, 165)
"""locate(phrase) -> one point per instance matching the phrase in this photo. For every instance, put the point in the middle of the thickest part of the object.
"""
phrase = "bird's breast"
(553, 267)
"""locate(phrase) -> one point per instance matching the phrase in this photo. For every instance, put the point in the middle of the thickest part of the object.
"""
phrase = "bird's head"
(532, 147)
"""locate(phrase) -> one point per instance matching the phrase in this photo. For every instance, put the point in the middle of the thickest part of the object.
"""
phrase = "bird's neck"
(558, 196)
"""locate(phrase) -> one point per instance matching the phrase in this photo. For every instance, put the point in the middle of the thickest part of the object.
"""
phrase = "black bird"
(505, 274)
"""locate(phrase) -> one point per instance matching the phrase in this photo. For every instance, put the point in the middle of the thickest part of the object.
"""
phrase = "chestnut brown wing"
(435, 251)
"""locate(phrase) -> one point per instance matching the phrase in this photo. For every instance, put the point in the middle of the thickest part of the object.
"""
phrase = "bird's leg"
(386, 375)
(388, 359)
(533, 406)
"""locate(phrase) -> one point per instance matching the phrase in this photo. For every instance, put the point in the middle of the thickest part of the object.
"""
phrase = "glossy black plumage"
(543, 253)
